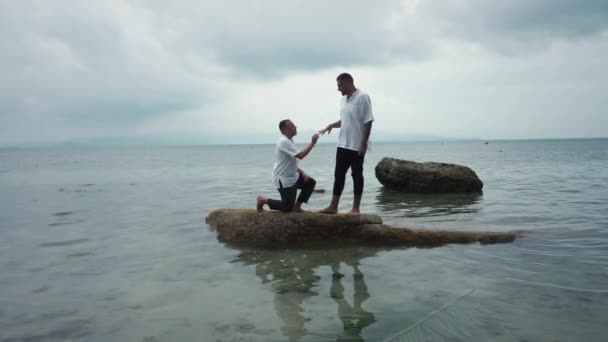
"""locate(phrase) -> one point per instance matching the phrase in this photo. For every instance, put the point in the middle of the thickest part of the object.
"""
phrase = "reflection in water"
(417, 205)
(292, 274)
(354, 318)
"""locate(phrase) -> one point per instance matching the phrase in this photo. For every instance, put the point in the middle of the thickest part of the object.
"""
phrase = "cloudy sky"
(228, 71)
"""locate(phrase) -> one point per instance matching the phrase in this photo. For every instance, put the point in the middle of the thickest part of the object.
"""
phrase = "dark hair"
(345, 77)
(283, 124)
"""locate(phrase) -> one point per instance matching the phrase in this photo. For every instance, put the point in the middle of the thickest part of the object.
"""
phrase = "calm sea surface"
(112, 245)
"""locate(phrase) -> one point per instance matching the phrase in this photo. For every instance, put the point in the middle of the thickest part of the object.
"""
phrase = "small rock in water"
(429, 177)
(319, 191)
(277, 230)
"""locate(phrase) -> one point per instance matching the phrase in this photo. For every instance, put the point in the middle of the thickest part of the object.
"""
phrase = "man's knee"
(312, 182)
(357, 176)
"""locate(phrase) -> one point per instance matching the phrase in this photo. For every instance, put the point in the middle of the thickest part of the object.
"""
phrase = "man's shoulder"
(284, 141)
(363, 94)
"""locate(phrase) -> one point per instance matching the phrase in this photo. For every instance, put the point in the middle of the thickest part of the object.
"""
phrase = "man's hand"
(363, 149)
(326, 129)
(304, 175)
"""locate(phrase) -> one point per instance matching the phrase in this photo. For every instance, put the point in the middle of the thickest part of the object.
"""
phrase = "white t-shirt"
(355, 112)
(286, 164)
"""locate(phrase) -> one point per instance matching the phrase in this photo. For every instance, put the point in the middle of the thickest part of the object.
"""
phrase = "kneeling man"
(287, 177)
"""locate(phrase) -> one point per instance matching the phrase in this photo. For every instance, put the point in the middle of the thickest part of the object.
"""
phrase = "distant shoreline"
(166, 145)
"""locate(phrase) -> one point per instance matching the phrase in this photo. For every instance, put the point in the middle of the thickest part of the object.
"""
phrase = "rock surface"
(272, 229)
(408, 176)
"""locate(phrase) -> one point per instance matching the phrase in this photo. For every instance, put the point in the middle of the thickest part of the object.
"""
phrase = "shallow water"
(111, 245)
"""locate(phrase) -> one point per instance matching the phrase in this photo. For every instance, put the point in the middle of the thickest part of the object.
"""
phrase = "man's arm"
(367, 118)
(308, 148)
(331, 126)
(367, 129)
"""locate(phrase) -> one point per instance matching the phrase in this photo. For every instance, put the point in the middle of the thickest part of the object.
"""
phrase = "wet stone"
(272, 230)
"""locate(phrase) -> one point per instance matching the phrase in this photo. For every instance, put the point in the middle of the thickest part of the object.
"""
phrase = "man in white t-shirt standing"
(287, 177)
(355, 125)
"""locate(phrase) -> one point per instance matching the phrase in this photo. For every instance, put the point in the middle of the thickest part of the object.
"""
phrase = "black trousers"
(288, 195)
(346, 159)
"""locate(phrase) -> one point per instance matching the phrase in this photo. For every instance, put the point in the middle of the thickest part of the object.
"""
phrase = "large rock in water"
(408, 176)
(270, 229)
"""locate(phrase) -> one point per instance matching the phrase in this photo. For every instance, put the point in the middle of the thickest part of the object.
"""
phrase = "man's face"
(292, 127)
(344, 87)
(341, 86)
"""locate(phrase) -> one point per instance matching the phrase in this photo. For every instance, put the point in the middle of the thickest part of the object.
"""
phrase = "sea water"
(111, 244)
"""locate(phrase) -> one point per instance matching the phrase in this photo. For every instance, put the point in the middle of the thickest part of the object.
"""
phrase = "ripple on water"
(80, 254)
(41, 289)
(64, 243)
(63, 213)
(557, 286)
(67, 330)
(58, 325)
(58, 224)
(43, 267)
(64, 218)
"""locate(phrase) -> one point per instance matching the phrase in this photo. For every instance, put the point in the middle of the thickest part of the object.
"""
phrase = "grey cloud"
(89, 64)
(517, 27)
(271, 38)
(120, 63)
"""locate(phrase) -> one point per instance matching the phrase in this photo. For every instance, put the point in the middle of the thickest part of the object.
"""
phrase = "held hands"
(326, 130)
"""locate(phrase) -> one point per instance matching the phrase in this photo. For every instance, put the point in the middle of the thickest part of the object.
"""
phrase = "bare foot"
(300, 210)
(260, 201)
(329, 210)
(353, 212)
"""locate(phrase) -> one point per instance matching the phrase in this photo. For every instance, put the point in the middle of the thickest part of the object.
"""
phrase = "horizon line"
(135, 144)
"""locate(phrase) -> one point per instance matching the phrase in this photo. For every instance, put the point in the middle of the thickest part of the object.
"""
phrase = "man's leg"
(357, 174)
(287, 202)
(342, 165)
(307, 188)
